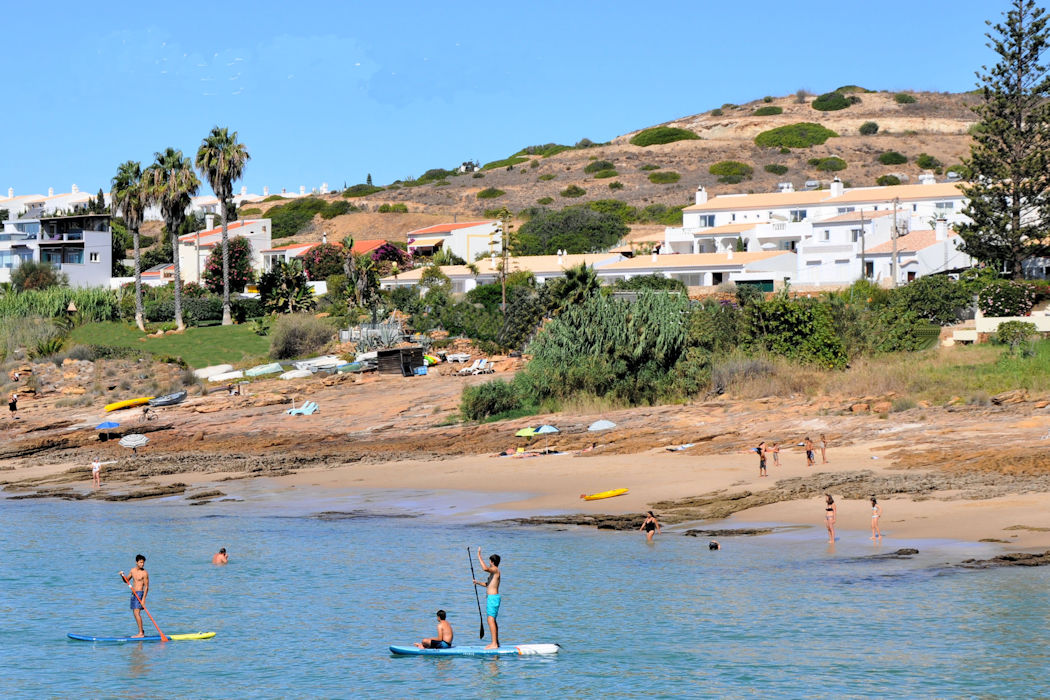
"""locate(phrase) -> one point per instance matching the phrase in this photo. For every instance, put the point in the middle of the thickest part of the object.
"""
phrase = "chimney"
(50, 191)
(701, 194)
(560, 254)
(75, 188)
(302, 190)
(492, 260)
(10, 192)
(941, 229)
(324, 237)
(266, 191)
(244, 190)
(209, 222)
(837, 188)
(324, 188)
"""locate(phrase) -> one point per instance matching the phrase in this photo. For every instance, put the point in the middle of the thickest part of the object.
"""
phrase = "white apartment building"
(194, 248)
(79, 245)
(468, 240)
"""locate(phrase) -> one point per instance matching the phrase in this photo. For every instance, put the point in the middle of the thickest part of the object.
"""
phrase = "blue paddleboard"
(520, 650)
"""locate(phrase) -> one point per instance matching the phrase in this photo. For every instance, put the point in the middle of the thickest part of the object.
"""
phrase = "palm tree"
(170, 182)
(221, 160)
(129, 196)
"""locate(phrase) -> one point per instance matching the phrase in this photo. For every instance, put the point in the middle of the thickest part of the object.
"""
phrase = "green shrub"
(730, 171)
(892, 158)
(489, 399)
(33, 276)
(927, 162)
(577, 229)
(545, 200)
(800, 135)
(596, 165)
(573, 191)
(887, 180)
(775, 168)
(649, 166)
(506, 162)
(846, 89)
(767, 99)
(547, 177)
(617, 185)
(664, 177)
(869, 129)
(934, 298)
(716, 112)
(1018, 336)
(490, 193)
(291, 218)
(545, 150)
(361, 190)
(661, 134)
(478, 175)
(830, 164)
(337, 208)
(1006, 298)
(961, 170)
(393, 208)
(830, 102)
(603, 174)
(298, 335)
(768, 111)
(903, 98)
(801, 329)
(250, 211)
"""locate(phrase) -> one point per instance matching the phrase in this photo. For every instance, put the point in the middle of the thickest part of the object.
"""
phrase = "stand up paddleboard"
(520, 650)
(149, 638)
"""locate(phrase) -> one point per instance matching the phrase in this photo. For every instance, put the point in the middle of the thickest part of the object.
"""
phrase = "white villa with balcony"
(468, 239)
(80, 246)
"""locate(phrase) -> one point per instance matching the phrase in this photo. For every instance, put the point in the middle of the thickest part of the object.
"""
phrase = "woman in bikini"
(830, 511)
(650, 526)
(823, 449)
(876, 511)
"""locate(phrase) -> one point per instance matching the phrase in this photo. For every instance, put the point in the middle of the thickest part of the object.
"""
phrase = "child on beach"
(830, 511)
(876, 511)
(761, 450)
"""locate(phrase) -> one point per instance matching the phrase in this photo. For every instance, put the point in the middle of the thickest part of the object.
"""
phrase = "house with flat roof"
(767, 269)
(542, 267)
(469, 239)
(194, 248)
(80, 246)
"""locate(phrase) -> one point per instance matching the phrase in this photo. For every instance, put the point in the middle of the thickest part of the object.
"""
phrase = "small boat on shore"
(258, 371)
(168, 399)
(127, 403)
(318, 363)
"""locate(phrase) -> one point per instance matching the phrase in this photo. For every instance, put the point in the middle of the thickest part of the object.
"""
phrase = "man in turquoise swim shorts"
(493, 600)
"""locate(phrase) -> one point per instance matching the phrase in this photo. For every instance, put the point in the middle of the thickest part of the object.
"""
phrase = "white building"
(194, 248)
(542, 267)
(468, 240)
(80, 246)
(767, 269)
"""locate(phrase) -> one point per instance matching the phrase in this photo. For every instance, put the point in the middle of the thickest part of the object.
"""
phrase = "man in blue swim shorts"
(444, 638)
(493, 600)
(138, 582)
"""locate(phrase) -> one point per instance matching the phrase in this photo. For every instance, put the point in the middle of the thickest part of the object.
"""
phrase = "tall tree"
(1009, 196)
(129, 197)
(170, 183)
(221, 159)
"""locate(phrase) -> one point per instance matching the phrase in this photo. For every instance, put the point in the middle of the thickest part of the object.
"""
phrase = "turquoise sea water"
(308, 606)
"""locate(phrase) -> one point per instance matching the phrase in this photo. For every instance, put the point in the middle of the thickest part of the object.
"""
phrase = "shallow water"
(308, 606)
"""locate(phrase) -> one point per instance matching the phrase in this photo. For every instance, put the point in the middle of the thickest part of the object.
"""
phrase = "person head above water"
(713, 544)
(494, 558)
(139, 557)
(830, 500)
(441, 614)
(222, 551)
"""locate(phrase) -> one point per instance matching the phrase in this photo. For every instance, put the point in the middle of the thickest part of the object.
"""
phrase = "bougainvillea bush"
(240, 266)
(323, 261)
(1006, 298)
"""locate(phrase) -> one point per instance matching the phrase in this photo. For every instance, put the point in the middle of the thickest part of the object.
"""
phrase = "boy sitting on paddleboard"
(139, 587)
(444, 638)
(493, 600)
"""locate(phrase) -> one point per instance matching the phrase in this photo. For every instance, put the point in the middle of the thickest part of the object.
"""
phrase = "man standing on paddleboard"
(139, 585)
(493, 599)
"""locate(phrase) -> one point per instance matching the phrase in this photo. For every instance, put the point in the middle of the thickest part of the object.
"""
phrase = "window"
(797, 215)
(787, 245)
(856, 234)
(911, 275)
(869, 269)
(733, 218)
(826, 235)
(944, 206)
(707, 220)
(915, 207)
(846, 210)
(93, 257)
(716, 278)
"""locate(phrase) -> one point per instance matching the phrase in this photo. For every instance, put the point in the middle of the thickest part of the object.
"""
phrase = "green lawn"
(199, 347)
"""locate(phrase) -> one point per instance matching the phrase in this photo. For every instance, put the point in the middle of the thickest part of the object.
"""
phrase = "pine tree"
(369, 180)
(1009, 197)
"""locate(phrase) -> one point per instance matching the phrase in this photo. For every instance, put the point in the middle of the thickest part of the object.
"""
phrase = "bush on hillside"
(649, 166)
(361, 190)
(961, 170)
(289, 219)
(775, 168)
(800, 135)
(596, 165)
(903, 98)
(297, 335)
(506, 162)
(830, 164)
(337, 208)
(490, 193)
(661, 134)
(546, 177)
(846, 89)
(603, 174)
(716, 112)
(892, 158)
(887, 180)
(664, 177)
(544, 150)
(545, 200)
(393, 208)
(869, 129)
(577, 229)
(731, 171)
(768, 111)
(573, 191)
(1006, 298)
(927, 162)
(616, 185)
(830, 102)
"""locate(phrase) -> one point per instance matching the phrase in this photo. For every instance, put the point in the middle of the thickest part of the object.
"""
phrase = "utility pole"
(863, 260)
(893, 236)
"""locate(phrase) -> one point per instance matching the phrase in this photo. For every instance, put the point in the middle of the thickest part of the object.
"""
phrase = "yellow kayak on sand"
(603, 494)
(128, 403)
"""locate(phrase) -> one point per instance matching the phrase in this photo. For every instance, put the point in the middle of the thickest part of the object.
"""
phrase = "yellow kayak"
(128, 403)
(603, 494)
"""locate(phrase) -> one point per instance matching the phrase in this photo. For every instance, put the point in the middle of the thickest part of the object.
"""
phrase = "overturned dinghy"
(318, 363)
(297, 374)
(272, 368)
(226, 376)
(206, 372)
(169, 399)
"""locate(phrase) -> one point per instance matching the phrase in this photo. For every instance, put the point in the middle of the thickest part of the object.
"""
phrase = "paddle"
(163, 637)
(481, 626)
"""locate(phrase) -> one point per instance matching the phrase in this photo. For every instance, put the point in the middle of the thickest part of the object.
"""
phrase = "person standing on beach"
(220, 557)
(650, 526)
(761, 450)
(876, 513)
(492, 589)
(830, 512)
(12, 405)
(444, 638)
(823, 448)
(776, 454)
(810, 460)
(139, 585)
(96, 472)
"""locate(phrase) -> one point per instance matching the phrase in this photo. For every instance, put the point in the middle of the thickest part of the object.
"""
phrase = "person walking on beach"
(12, 405)
(776, 454)
(830, 511)
(650, 526)
(823, 449)
(492, 589)
(96, 472)
(140, 586)
(810, 460)
(220, 557)
(444, 638)
(761, 450)
(876, 512)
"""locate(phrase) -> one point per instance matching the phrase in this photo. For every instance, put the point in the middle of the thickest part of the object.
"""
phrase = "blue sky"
(332, 91)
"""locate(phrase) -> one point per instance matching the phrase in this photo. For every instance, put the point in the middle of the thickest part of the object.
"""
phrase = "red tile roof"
(909, 243)
(212, 231)
(446, 228)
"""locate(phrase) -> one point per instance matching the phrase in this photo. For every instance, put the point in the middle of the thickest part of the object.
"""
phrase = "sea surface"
(309, 604)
